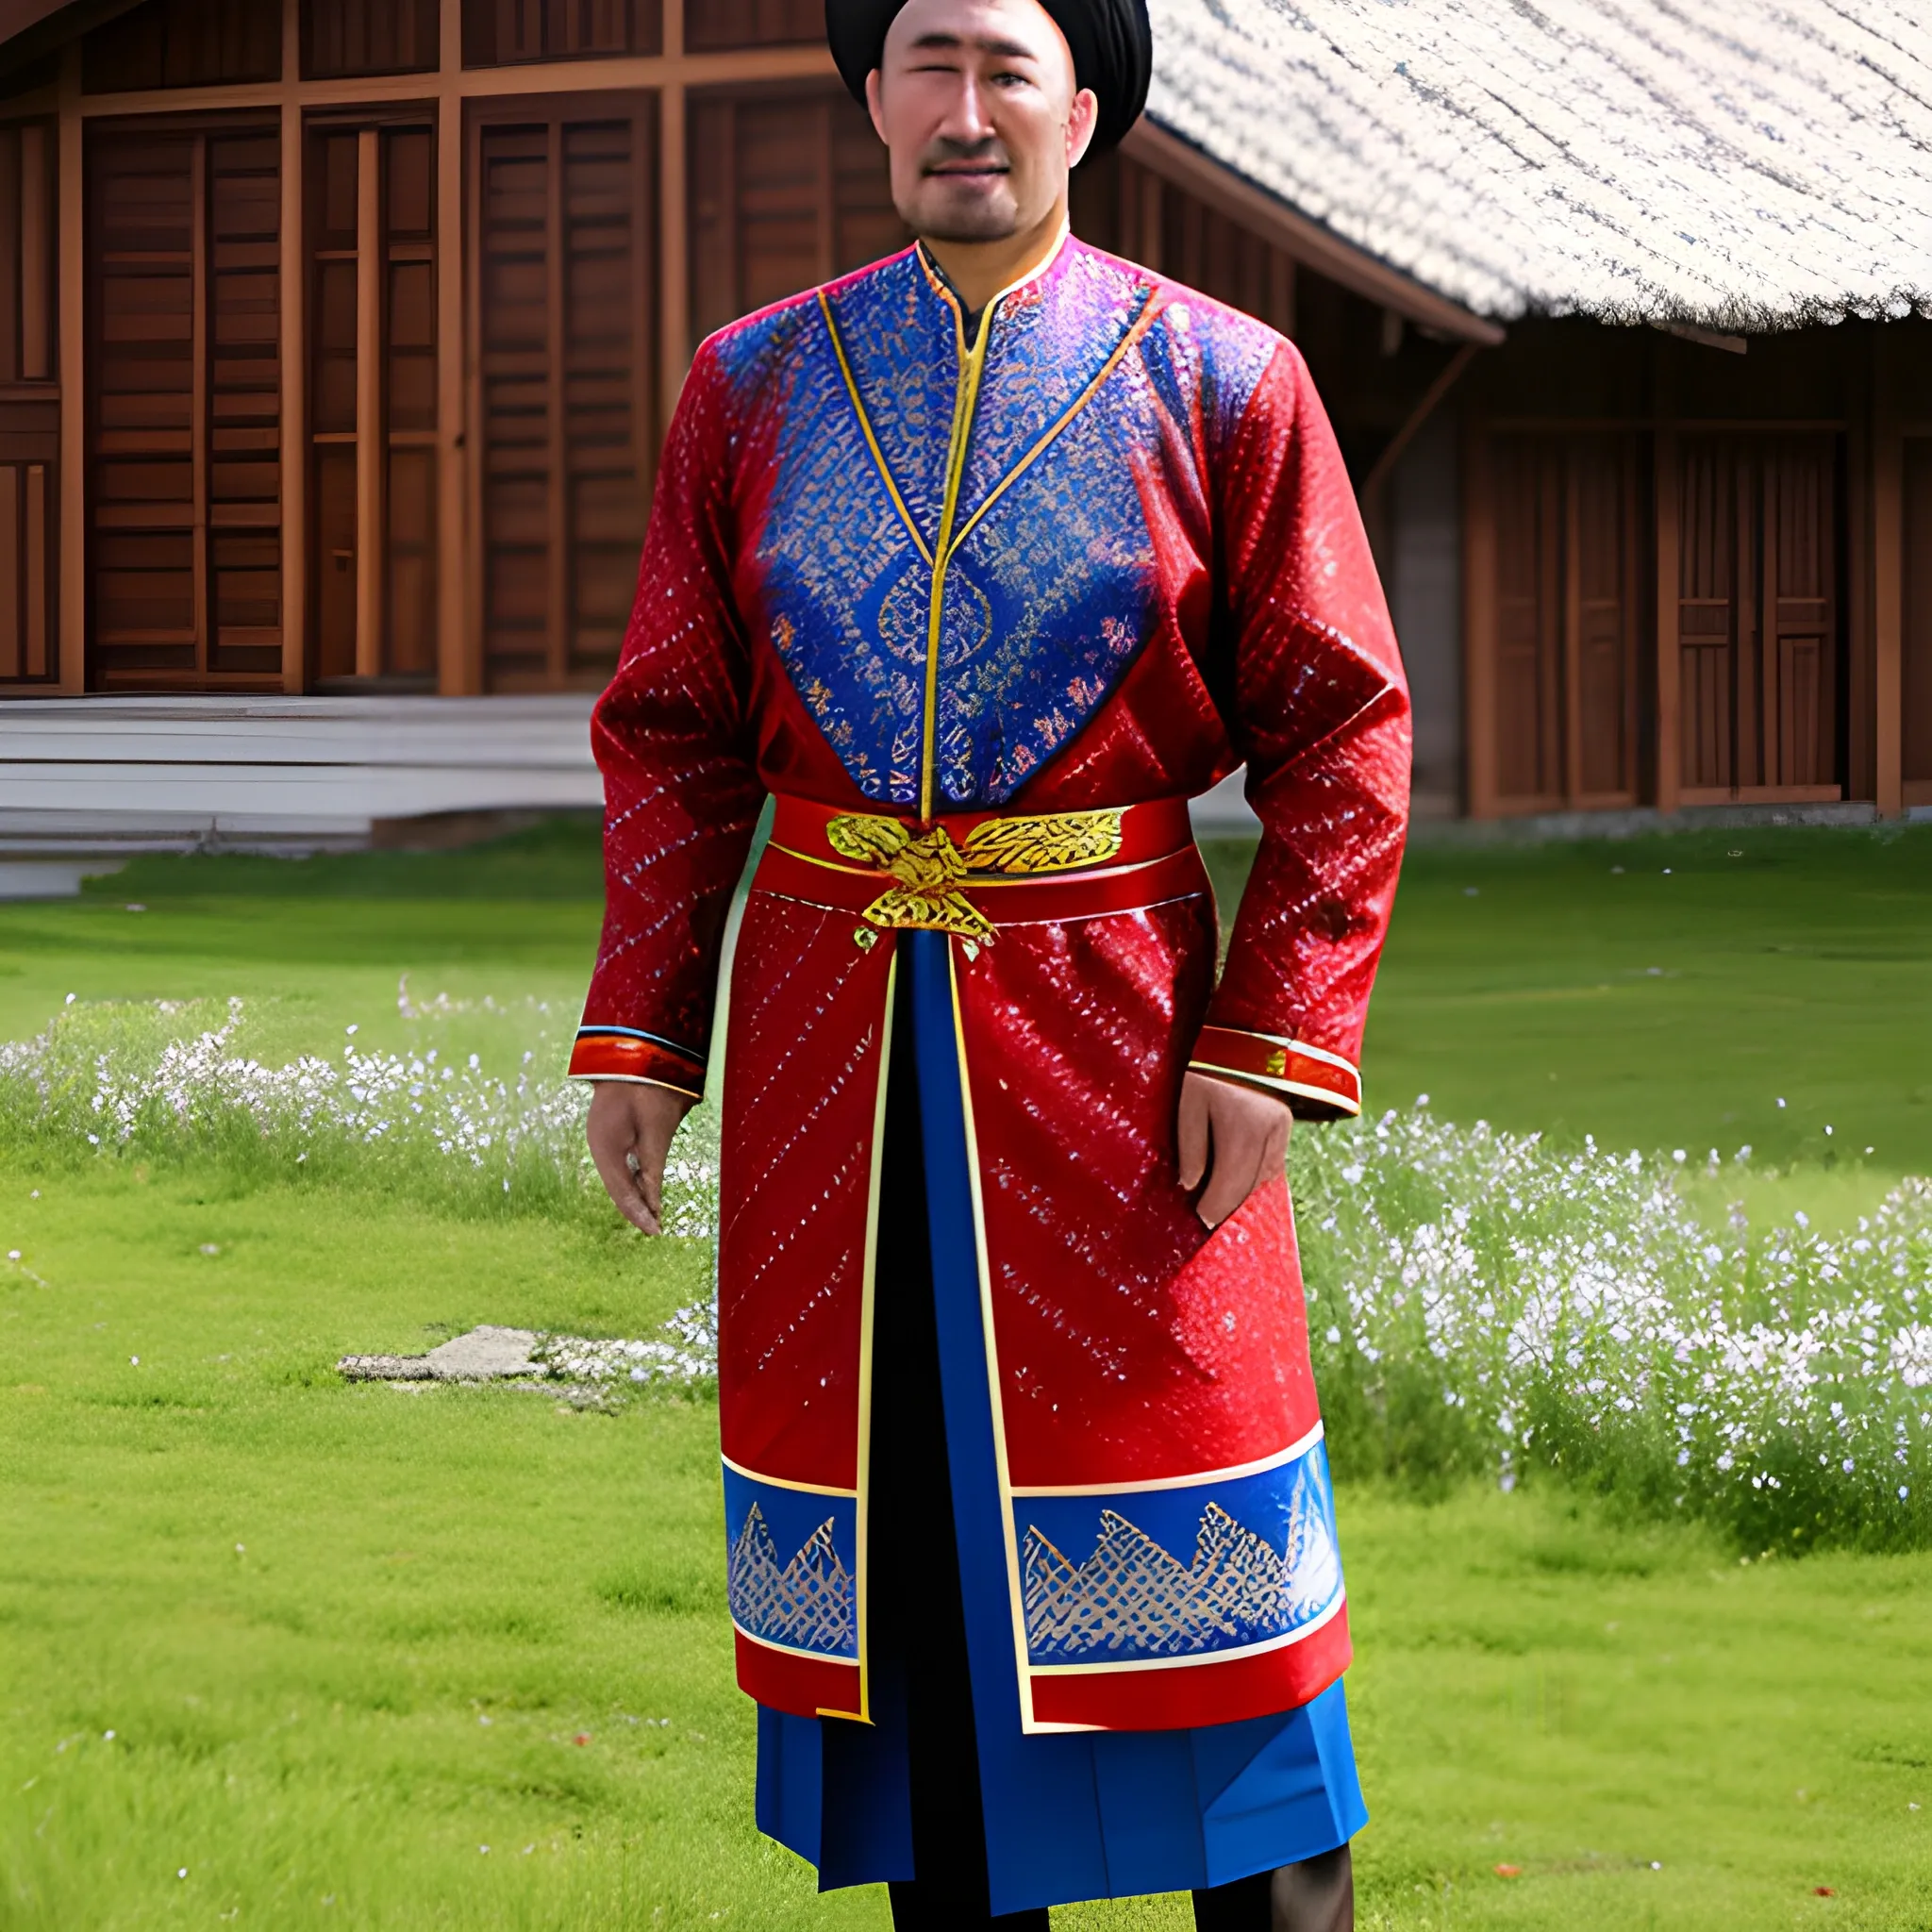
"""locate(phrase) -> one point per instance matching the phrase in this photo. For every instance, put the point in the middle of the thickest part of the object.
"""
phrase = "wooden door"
(1757, 618)
(184, 409)
(564, 296)
(788, 187)
(29, 407)
(1564, 670)
(373, 388)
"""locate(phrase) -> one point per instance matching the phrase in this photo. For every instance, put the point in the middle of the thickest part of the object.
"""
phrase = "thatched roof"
(1731, 164)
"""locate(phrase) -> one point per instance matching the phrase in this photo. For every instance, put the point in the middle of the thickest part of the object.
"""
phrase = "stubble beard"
(990, 222)
(941, 212)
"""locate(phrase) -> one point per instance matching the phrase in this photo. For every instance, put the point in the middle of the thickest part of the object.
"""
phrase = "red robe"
(1096, 562)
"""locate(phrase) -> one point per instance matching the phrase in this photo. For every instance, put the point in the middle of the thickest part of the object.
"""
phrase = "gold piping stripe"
(1135, 331)
(779, 1482)
(815, 1656)
(1233, 1473)
(1300, 1046)
(872, 442)
(965, 400)
(984, 1269)
(1302, 1089)
(861, 1564)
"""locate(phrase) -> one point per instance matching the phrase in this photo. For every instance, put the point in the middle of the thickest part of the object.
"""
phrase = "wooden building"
(337, 338)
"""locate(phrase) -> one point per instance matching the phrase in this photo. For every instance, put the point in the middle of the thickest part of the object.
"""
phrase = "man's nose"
(968, 120)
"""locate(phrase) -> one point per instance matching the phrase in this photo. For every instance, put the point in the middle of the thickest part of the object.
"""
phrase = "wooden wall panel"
(184, 413)
(1709, 621)
(374, 357)
(712, 26)
(788, 189)
(344, 37)
(502, 33)
(243, 386)
(1601, 542)
(566, 355)
(1917, 653)
(27, 573)
(29, 407)
(27, 252)
(184, 43)
(1529, 620)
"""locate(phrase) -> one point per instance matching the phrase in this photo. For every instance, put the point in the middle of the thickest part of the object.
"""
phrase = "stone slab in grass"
(486, 1353)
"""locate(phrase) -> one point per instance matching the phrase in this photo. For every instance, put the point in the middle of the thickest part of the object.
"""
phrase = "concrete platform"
(112, 776)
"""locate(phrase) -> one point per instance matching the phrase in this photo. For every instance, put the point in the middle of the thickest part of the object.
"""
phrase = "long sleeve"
(681, 794)
(1319, 708)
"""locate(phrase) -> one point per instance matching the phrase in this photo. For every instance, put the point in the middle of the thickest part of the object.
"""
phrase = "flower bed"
(1479, 1303)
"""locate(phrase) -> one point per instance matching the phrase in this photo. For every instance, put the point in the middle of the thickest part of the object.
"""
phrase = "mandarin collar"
(941, 283)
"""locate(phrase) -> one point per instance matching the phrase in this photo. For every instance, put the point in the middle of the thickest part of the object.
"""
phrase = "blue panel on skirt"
(1185, 1572)
(1070, 1815)
(792, 1569)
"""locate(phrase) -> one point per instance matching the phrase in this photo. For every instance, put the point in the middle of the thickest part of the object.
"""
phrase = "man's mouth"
(969, 171)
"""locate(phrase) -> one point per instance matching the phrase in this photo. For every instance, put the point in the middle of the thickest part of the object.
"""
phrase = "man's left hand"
(1248, 1132)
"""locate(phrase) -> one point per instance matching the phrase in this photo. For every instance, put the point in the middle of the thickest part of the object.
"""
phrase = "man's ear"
(1083, 117)
(874, 102)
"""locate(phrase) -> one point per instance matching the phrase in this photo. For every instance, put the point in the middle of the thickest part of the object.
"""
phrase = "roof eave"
(1307, 240)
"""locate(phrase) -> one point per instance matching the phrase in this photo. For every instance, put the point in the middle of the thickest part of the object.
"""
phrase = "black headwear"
(1111, 40)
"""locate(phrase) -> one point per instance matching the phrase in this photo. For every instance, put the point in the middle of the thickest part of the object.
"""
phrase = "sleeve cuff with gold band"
(624, 1052)
(1316, 1083)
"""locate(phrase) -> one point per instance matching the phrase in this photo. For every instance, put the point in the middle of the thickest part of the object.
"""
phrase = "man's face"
(975, 100)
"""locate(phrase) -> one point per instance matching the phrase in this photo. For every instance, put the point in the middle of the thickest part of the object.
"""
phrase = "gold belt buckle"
(930, 872)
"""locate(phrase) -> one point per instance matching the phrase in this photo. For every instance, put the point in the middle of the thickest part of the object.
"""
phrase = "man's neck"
(979, 270)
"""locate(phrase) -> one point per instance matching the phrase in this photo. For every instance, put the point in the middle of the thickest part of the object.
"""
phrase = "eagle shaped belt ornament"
(931, 873)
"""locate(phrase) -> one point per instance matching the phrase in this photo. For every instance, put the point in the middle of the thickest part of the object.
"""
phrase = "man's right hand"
(630, 1131)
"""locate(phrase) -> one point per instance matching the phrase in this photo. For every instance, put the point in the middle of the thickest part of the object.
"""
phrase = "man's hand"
(630, 1131)
(1248, 1132)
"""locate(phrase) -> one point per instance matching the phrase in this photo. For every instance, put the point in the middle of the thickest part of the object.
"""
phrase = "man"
(983, 561)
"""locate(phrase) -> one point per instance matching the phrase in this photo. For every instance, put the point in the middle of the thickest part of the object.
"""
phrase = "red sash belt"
(973, 872)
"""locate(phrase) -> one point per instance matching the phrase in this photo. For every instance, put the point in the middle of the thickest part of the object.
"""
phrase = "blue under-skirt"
(1067, 1815)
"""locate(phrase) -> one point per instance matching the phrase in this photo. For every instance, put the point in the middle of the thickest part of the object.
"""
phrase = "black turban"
(1112, 42)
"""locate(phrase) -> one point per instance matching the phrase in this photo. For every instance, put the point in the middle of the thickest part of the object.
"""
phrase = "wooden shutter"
(1757, 618)
(788, 189)
(342, 37)
(1565, 603)
(1600, 620)
(1797, 725)
(712, 25)
(183, 43)
(1529, 615)
(564, 295)
(373, 408)
(184, 414)
(1708, 616)
(1917, 616)
(30, 405)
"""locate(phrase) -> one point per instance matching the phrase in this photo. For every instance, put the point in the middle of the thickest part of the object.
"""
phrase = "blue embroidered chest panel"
(1096, 380)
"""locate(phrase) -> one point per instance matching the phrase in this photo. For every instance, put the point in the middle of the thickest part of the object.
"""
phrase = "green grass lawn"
(1655, 1734)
